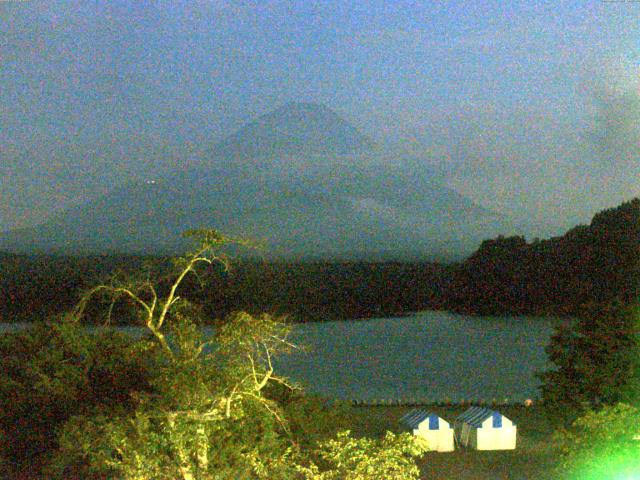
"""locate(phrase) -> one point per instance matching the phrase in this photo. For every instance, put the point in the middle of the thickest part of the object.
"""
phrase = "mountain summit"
(294, 128)
(300, 178)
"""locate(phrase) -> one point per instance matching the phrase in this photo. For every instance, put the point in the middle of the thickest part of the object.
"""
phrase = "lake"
(434, 356)
(430, 356)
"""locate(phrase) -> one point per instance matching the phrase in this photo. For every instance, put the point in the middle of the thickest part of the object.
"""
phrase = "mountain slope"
(302, 179)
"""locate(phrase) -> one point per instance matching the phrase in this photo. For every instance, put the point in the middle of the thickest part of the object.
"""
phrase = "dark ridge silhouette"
(598, 264)
(590, 264)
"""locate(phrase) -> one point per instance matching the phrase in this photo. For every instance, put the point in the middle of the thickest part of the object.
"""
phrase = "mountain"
(295, 128)
(300, 178)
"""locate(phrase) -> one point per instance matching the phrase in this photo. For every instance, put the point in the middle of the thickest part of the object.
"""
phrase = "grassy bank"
(533, 458)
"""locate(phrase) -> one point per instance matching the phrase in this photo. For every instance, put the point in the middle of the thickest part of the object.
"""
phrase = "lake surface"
(433, 356)
(429, 356)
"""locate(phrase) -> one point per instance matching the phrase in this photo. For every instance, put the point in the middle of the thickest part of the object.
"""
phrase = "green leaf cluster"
(348, 458)
(602, 444)
(54, 370)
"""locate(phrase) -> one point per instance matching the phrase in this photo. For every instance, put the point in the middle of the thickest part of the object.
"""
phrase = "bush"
(602, 445)
(347, 458)
(51, 371)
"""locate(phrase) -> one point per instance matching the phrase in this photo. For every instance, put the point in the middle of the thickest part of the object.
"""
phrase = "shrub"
(53, 370)
(602, 445)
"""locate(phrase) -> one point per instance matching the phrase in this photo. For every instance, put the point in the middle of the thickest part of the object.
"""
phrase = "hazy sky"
(531, 108)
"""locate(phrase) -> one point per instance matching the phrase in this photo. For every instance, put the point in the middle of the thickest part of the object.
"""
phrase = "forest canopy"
(590, 264)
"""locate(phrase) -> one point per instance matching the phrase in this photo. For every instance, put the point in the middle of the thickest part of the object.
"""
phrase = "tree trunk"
(203, 448)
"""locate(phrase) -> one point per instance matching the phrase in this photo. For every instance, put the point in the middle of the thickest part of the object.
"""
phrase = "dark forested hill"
(589, 264)
(39, 286)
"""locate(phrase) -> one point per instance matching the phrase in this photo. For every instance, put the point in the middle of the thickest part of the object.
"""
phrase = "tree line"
(591, 264)
(36, 287)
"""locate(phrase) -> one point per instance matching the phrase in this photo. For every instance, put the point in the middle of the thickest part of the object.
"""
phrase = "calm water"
(433, 355)
(429, 356)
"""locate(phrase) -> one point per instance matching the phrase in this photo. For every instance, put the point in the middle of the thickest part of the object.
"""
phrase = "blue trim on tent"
(414, 418)
(475, 416)
(497, 420)
(434, 422)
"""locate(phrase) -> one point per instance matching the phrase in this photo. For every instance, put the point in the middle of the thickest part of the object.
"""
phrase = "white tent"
(436, 431)
(485, 429)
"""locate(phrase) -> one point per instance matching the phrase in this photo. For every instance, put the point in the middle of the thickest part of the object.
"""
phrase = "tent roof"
(475, 416)
(415, 417)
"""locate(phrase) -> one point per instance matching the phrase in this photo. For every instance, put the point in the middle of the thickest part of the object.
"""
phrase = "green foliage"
(206, 416)
(347, 458)
(596, 361)
(602, 444)
(51, 371)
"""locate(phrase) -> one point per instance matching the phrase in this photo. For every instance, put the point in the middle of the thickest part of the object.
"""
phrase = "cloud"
(535, 165)
(616, 133)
